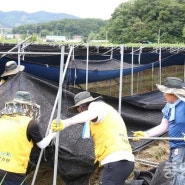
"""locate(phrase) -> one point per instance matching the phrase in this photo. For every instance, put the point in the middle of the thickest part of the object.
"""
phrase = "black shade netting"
(76, 155)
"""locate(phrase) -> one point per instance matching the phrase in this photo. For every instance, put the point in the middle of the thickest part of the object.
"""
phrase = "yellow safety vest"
(14, 146)
(109, 135)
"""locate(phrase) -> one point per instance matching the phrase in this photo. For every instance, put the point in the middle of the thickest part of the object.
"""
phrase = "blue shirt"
(176, 127)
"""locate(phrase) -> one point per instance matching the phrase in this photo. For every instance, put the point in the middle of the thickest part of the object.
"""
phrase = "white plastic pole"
(87, 67)
(58, 115)
(132, 69)
(160, 65)
(19, 56)
(29, 52)
(51, 118)
(16, 46)
(158, 138)
(121, 78)
(41, 152)
(112, 50)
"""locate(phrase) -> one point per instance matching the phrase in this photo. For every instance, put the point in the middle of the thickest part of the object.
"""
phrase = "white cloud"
(81, 8)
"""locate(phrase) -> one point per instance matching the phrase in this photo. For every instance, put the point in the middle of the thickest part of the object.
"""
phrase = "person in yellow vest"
(109, 133)
(11, 68)
(19, 131)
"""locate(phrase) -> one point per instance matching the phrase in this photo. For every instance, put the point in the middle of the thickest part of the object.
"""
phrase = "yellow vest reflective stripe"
(109, 135)
(14, 146)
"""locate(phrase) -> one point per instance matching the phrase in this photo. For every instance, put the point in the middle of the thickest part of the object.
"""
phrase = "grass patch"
(142, 82)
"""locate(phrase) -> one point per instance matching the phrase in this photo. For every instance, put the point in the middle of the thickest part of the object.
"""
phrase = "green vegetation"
(131, 22)
(66, 27)
(156, 21)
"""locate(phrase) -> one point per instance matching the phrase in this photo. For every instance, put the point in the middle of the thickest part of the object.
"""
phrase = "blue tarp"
(98, 70)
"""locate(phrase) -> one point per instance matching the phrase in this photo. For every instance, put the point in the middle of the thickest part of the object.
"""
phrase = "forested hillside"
(133, 21)
(17, 18)
(65, 27)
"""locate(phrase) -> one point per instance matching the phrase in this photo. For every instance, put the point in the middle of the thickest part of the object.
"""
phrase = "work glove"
(55, 127)
(139, 135)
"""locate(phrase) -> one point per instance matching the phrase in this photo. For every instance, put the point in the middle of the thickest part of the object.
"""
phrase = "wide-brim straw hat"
(173, 85)
(81, 98)
(12, 68)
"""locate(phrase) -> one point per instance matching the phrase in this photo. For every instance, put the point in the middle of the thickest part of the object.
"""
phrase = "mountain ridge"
(17, 18)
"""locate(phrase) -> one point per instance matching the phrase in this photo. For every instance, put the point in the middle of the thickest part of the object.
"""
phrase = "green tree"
(138, 20)
(44, 32)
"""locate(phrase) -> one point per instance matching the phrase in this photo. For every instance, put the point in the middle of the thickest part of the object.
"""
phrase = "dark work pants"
(7, 182)
(116, 173)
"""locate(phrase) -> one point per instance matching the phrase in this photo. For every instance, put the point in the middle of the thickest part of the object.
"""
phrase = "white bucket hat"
(81, 98)
(173, 85)
(23, 97)
(12, 68)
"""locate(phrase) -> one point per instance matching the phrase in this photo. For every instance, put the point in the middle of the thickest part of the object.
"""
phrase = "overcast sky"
(81, 8)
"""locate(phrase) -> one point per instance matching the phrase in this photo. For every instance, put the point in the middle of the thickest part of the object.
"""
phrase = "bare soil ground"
(154, 153)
